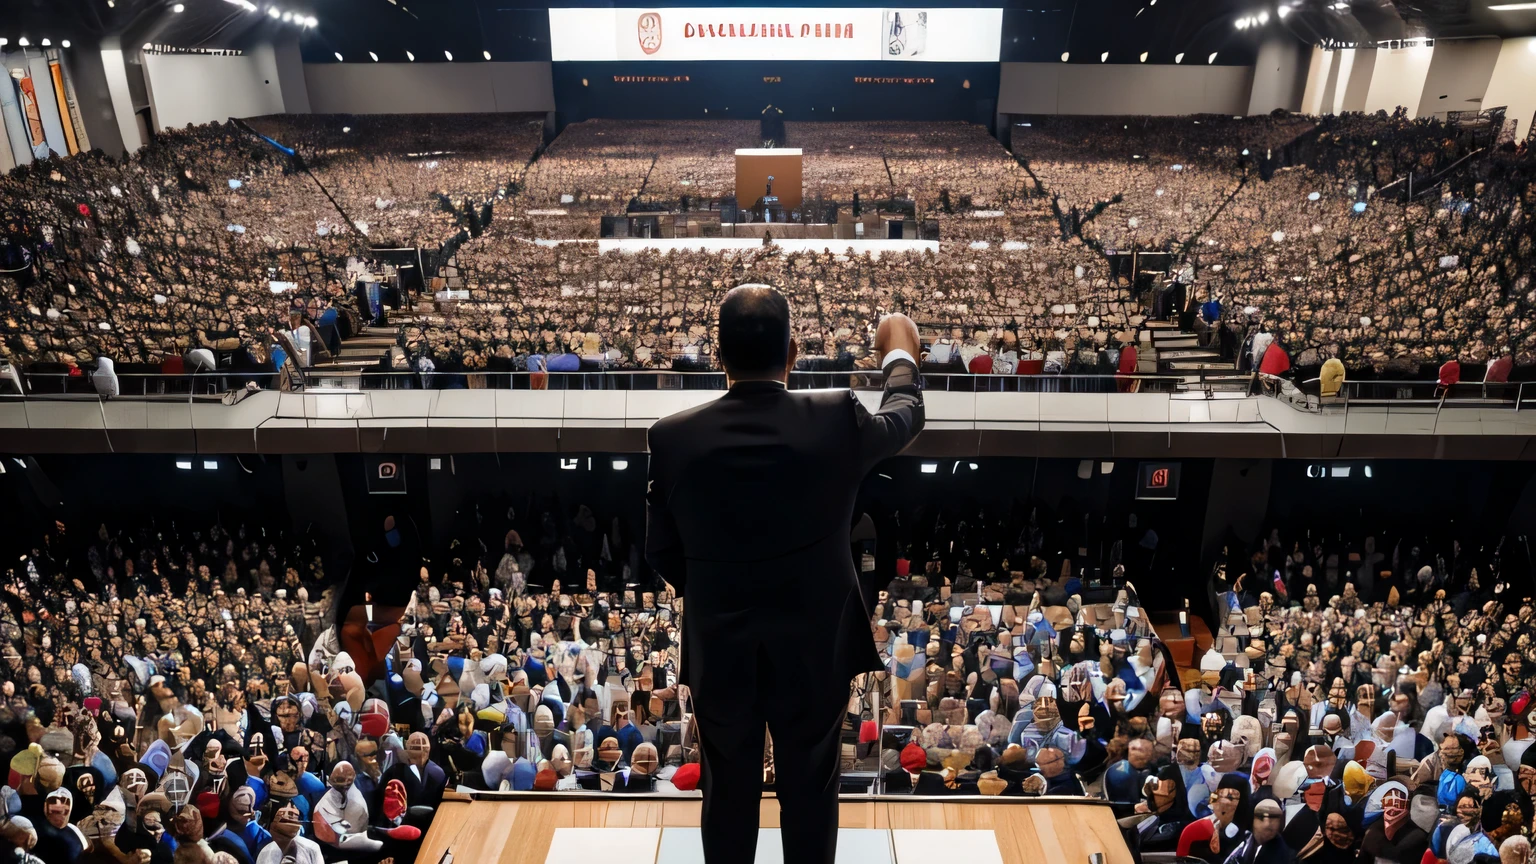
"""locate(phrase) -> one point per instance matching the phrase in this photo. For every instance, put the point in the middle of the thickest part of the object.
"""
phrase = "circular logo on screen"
(649, 26)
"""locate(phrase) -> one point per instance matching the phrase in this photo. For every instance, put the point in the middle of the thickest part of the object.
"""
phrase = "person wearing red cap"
(759, 486)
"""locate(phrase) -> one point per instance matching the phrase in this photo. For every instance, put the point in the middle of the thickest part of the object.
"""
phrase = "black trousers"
(805, 717)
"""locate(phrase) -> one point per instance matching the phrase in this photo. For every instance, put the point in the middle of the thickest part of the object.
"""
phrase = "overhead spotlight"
(184, 464)
(287, 17)
(274, 12)
(1212, 58)
(338, 57)
(929, 468)
(179, 8)
(620, 464)
(449, 55)
(1264, 16)
(1104, 58)
(1143, 56)
(4, 41)
(1065, 55)
(486, 54)
(311, 21)
(24, 43)
(210, 465)
(1368, 474)
(47, 42)
(65, 43)
(1283, 11)
(411, 57)
(147, 46)
(374, 56)
(1179, 57)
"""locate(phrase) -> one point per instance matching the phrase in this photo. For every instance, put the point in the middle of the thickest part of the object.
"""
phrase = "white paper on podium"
(635, 845)
(922, 846)
(854, 846)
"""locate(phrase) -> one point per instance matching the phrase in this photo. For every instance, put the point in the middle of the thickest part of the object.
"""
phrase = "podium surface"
(532, 828)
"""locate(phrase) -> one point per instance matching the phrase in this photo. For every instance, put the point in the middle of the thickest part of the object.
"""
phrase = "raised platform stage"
(534, 828)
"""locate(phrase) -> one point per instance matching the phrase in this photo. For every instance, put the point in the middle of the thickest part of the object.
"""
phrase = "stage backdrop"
(753, 167)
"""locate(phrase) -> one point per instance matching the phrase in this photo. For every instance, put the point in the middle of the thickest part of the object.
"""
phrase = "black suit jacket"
(748, 512)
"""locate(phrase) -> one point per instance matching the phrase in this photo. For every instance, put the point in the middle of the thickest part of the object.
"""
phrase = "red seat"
(173, 366)
(1127, 360)
(981, 364)
(1030, 367)
(1450, 373)
(1275, 362)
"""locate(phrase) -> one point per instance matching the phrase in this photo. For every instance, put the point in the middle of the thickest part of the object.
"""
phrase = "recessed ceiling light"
(1104, 58)
(65, 43)
(411, 57)
(487, 54)
(1283, 11)
(449, 55)
(4, 41)
(274, 12)
(24, 43)
(1143, 56)
(1065, 55)
(374, 56)
(287, 17)
(47, 42)
(1264, 17)
(179, 8)
(1179, 57)
(1212, 58)
(338, 57)
(311, 21)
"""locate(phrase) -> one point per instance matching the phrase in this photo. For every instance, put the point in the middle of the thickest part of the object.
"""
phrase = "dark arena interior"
(345, 345)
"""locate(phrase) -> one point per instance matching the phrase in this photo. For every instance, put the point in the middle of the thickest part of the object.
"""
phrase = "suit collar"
(749, 388)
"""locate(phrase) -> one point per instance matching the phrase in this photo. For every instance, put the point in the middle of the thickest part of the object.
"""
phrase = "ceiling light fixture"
(1143, 56)
(1283, 11)
(287, 17)
(65, 43)
(1065, 55)
(4, 41)
(47, 42)
(1104, 58)
(179, 8)
(338, 57)
(449, 55)
(1212, 58)
(486, 54)
(411, 57)
(374, 56)
(1513, 7)
(274, 12)
(1264, 17)
(24, 43)
(1179, 57)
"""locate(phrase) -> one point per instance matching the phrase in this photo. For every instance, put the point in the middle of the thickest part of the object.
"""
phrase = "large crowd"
(180, 693)
(1302, 227)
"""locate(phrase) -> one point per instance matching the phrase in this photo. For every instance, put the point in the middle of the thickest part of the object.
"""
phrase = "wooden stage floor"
(519, 828)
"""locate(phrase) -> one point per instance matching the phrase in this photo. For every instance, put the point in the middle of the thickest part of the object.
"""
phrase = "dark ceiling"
(1033, 30)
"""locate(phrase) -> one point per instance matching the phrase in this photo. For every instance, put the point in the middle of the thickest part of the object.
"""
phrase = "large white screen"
(697, 33)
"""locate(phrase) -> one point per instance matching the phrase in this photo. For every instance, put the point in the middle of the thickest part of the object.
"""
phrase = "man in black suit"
(748, 514)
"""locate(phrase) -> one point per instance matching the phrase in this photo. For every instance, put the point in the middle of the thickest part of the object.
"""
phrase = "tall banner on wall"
(942, 35)
(15, 125)
(57, 73)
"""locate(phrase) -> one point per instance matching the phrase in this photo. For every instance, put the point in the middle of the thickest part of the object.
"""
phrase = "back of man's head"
(754, 332)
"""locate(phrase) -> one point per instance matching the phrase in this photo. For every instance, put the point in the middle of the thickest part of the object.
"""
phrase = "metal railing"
(214, 385)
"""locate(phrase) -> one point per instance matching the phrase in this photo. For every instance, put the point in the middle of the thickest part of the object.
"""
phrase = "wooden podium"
(522, 827)
(753, 168)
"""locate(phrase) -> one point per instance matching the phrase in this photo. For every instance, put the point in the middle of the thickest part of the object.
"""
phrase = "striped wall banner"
(75, 117)
(56, 72)
(37, 140)
(47, 105)
(15, 125)
(7, 158)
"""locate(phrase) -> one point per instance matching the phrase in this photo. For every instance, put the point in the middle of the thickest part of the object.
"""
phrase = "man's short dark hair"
(754, 331)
